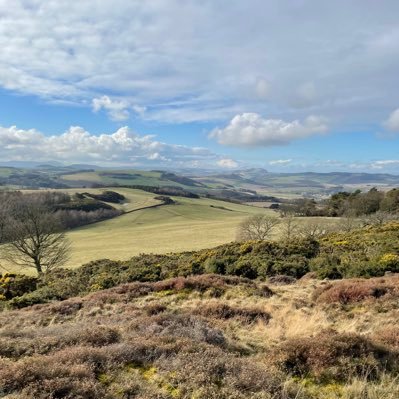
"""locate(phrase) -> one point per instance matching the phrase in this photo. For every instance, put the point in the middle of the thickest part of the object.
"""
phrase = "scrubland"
(208, 336)
(243, 320)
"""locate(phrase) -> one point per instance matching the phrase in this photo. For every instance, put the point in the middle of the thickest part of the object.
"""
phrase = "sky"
(288, 85)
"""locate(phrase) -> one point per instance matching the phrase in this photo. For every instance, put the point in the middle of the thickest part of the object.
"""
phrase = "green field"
(190, 224)
(122, 178)
(187, 225)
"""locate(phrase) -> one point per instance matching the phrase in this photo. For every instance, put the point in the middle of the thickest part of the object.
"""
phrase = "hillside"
(189, 224)
(153, 335)
(239, 185)
(307, 183)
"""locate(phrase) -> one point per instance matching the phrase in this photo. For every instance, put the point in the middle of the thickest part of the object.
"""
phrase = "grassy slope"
(137, 177)
(190, 224)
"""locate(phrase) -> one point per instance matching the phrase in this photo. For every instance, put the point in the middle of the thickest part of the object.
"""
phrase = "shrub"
(388, 336)
(326, 266)
(282, 279)
(295, 266)
(332, 356)
(244, 268)
(154, 309)
(390, 262)
(95, 336)
(179, 326)
(224, 311)
(12, 285)
(351, 291)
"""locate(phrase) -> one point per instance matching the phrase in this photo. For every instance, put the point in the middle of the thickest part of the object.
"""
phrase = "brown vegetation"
(205, 336)
(357, 290)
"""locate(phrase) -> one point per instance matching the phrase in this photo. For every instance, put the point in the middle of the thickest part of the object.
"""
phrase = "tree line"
(345, 203)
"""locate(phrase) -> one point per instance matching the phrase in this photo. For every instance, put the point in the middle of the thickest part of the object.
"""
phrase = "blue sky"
(292, 85)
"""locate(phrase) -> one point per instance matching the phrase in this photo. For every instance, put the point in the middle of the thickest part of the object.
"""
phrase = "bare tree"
(314, 229)
(378, 218)
(5, 211)
(348, 222)
(257, 227)
(289, 227)
(34, 237)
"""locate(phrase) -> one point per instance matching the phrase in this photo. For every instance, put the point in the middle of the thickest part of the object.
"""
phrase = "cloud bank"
(216, 62)
(251, 130)
(122, 147)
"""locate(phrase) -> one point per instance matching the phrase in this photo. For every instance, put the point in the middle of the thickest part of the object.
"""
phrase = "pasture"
(190, 224)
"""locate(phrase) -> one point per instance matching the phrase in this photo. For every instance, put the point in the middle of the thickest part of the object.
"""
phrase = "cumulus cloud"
(280, 162)
(251, 130)
(136, 52)
(122, 147)
(227, 163)
(392, 123)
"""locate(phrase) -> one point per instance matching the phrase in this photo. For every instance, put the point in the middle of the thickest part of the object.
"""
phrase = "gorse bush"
(14, 285)
(368, 252)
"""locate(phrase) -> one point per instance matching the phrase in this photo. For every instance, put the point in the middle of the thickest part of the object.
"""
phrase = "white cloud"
(392, 123)
(388, 163)
(135, 51)
(227, 163)
(122, 147)
(251, 130)
(116, 110)
(280, 162)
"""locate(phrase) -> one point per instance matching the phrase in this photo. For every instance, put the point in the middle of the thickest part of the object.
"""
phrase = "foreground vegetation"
(367, 252)
(253, 319)
(207, 336)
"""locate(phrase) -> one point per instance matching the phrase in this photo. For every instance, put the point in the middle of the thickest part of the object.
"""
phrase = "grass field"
(119, 177)
(190, 224)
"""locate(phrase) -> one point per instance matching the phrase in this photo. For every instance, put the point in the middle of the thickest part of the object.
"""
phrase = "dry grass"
(203, 337)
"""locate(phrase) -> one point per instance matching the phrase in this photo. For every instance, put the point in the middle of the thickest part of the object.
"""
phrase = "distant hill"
(297, 182)
(238, 184)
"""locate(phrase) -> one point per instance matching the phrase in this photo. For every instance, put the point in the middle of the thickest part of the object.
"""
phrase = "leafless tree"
(289, 227)
(378, 218)
(257, 227)
(5, 211)
(34, 237)
(314, 229)
(348, 222)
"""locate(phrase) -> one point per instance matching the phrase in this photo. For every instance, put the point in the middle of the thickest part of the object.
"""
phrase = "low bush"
(388, 336)
(330, 356)
(13, 285)
(282, 279)
(224, 311)
(356, 290)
